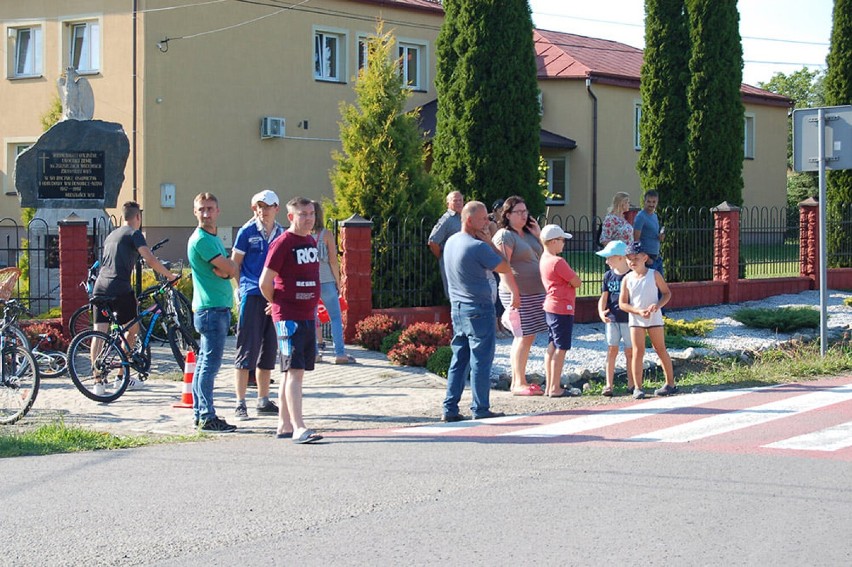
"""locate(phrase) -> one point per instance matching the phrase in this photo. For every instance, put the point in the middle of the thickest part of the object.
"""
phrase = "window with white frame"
(329, 55)
(84, 46)
(557, 180)
(27, 50)
(637, 120)
(748, 136)
(13, 150)
(363, 50)
(411, 64)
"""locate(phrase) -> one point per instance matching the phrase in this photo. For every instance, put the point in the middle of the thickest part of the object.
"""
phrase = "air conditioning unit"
(271, 127)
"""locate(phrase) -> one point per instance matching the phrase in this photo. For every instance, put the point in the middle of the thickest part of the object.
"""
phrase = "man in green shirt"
(212, 299)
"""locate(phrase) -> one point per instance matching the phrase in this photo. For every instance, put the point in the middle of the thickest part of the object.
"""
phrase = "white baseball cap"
(265, 196)
(551, 231)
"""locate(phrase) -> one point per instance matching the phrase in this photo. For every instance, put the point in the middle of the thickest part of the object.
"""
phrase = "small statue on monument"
(78, 101)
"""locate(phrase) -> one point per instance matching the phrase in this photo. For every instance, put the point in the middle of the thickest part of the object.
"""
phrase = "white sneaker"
(135, 384)
(100, 389)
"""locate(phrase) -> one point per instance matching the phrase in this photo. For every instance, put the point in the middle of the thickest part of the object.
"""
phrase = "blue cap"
(614, 248)
(636, 248)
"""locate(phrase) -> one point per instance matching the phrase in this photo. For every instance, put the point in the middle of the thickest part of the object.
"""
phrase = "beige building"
(232, 97)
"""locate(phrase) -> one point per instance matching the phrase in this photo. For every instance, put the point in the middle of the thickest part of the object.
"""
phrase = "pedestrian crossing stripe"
(829, 439)
(739, 419)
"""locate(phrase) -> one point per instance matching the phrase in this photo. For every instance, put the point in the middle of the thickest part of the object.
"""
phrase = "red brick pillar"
(809, 240)
(73, 265)
(726, 249)
(356, 272)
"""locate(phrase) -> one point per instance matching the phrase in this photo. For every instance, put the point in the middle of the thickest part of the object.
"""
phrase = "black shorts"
(124, 305)
(257, 345)
(297, 344)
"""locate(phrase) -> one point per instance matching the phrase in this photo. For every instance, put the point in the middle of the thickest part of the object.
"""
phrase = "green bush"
(370, 331)
(682, 328)
(390, 341)
(848, 302)
(439, 362)
(783, 320)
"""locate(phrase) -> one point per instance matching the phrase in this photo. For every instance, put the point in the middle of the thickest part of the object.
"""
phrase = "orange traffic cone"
(188, 373)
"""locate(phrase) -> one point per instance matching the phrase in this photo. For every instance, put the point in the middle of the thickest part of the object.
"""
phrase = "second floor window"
(85, 49)
(748, 137)
(27, 52)
(557, 180)
(410, 67)
(328, 55)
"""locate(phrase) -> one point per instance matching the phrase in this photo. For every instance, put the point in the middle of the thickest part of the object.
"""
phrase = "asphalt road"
(403, 500)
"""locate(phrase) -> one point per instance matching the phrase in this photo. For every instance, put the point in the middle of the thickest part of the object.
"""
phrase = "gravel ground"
(589, 344)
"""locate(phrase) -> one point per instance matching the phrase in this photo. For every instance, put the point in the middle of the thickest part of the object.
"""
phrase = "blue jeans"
(474, 337)
(213, 325)
(329, 294)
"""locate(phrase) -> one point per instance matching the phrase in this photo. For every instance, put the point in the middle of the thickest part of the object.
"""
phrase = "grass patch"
(783, 320)
(60, 438)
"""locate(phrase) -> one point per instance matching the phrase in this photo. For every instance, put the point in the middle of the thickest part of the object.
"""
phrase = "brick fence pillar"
(726, 249)
(356, 272)
(809, 240)
(73, 265)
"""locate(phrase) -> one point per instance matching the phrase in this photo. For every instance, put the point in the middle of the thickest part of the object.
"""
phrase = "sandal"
(607, 392)
(528, 390)
(348, 359)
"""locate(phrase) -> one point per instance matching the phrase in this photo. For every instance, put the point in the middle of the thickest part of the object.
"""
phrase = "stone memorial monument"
(77, 167)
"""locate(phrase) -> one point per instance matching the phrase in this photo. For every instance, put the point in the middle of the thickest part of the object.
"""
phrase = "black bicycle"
(19, 374)
(100, 363)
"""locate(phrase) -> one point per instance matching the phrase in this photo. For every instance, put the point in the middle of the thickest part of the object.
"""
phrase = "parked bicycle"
(19, 375)
(100, 363)
(51, 362)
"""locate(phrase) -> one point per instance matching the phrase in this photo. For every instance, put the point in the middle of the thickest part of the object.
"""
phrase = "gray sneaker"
(638, 394)
(665, 390)
(241, 414)
(269, 409)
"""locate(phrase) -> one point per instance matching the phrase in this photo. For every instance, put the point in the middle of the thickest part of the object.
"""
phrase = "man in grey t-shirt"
(447, 225)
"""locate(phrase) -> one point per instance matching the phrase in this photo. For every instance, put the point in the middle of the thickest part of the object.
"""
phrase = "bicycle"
(19, 375)
(51, 363)
(81, 319)
(99, 362)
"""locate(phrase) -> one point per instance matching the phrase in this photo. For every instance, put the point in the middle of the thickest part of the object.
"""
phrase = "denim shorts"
(617, 332)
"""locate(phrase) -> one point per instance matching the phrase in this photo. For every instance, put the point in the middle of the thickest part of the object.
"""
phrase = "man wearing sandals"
(469, 259)
(290, 283)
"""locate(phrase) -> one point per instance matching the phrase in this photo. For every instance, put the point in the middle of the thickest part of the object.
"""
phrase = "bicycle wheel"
(183, 311)
(18, 384)
(51, 363)
(159, 332)
(101, 374)
(16, 336)
(181, 341)
(81, 320)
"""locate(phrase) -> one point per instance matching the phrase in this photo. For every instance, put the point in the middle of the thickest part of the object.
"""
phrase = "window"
(411, 65)
(637, 120)
(329, 56)
(557, 180)
(748, 138)
(363, 49)
(28, 51)
(84, 51)
(12, 152)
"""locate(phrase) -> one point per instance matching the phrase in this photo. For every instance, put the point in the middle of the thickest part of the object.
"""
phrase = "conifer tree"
(487, 139)
(838, 92)
(716, 109)
(665, 112)
(380, 174)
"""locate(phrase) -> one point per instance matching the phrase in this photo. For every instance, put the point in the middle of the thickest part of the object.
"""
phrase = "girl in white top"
(643, 293)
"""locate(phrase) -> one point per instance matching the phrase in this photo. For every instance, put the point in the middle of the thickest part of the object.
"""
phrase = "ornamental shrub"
(427, 334)
(682, 328)
(390, 341)
(439, 362)
(408, 354)
(56, 341)
(370, 331)
(783, 320)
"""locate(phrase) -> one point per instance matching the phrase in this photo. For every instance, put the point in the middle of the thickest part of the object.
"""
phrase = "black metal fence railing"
(769, 243)
(838, 228)
(405, 272)
(35, 250)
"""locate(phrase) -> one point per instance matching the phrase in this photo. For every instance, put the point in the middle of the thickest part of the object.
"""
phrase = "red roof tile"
(429, 5)
(569, 56)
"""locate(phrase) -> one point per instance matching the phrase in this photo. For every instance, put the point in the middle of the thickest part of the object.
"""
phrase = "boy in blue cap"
(617, 328)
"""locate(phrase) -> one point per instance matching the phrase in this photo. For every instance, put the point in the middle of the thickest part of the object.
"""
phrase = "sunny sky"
(778, 35)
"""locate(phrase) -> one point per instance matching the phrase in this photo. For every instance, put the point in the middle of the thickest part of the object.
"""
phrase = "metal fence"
(35, 250)
(769, 243)
(839, 234)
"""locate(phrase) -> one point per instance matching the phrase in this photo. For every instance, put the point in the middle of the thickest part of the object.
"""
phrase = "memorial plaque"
(70, 175)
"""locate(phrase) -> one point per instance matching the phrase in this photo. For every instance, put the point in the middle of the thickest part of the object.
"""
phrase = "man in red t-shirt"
(290, 283)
